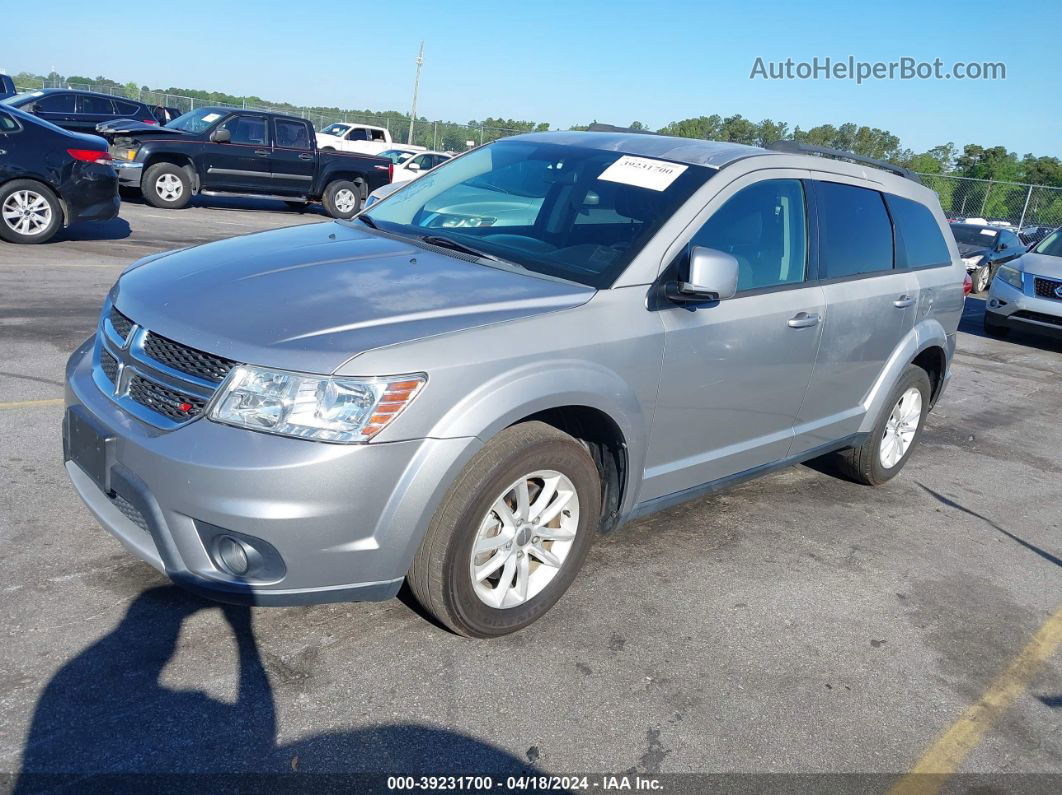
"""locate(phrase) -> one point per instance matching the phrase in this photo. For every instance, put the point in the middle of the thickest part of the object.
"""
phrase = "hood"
(1042, 265)
(310, 297)
(133, 128)
(971, 249)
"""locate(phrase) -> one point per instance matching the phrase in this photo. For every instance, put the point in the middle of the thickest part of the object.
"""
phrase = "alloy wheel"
(27, 212)
(345, 200)
(169, 187)
(900, 428)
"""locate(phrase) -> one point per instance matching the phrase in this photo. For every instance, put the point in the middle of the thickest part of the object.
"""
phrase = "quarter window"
(126, 108)
(856, 233)
(764, 228)
(919, 243)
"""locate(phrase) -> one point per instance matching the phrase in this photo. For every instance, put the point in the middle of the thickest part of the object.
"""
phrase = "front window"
(22, 98)
(335, 129)
(974, 235)
(575, 213)
(1051, 245)
(197, 121)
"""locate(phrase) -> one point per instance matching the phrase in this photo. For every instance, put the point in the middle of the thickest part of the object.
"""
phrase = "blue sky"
(574, 61)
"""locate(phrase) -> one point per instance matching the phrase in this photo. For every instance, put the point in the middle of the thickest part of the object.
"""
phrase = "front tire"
(30, 212)
(342, 199)
(166, 186)
(512, 533)
(881, 457)
(982, 277)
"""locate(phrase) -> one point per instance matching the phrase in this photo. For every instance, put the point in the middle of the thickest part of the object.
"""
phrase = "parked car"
(1033, 234)
(361, 138)
(164, 113)
(408, 168)
(382, 192)
(7, 86)
(80, 111)
(221, 151)
(1027, 293)
(51, 178)
(983, 249)
(321, 412)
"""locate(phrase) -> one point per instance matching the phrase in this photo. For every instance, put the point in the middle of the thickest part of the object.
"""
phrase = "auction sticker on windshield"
(643, 172)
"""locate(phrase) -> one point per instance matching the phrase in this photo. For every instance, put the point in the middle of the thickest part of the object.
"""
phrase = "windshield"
(20, 99)
(335, 129)
(1051, 245)
(197, 121)
(396, 156)
(974, 235)
(575, 213)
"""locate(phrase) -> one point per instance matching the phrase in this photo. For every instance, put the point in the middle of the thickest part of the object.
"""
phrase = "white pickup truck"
(362, 138)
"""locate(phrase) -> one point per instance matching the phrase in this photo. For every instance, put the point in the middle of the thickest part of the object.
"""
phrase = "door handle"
(305, 156)
(262, 152)
(903, 302)
(803, 320)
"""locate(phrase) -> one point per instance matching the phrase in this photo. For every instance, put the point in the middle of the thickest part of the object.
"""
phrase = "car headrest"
(636, 203)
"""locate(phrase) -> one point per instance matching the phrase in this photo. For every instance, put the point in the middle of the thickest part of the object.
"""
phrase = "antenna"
(416, 86)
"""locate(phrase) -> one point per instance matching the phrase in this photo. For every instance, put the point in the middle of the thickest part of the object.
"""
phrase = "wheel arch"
(180, 160)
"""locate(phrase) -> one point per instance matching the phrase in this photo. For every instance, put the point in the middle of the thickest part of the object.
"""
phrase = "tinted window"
(96, 105)
(974, 235)
(856, 236)
(1009, 240)
(358, 134)
(292, 134)
(55, 103)
(919, 243)
(246, 130)
(762, 226)
(7, 124)
(126, 108)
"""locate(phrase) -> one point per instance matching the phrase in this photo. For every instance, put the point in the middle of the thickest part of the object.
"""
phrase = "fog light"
(232, 555)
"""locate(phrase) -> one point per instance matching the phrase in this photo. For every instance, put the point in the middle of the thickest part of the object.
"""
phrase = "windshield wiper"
(455, 245)
(368, 221)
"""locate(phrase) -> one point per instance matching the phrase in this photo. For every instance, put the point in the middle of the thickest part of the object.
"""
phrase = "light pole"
(416, 85)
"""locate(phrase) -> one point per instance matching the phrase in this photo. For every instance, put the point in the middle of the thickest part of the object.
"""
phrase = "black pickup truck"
(227, 152)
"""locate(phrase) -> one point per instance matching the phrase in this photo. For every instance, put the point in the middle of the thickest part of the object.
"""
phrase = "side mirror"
(713, 277)
(221, 136)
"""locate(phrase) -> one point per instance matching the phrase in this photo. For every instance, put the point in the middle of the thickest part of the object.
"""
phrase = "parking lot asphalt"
(799, 623)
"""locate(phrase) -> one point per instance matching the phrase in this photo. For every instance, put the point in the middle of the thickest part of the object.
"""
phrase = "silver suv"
(539, 340)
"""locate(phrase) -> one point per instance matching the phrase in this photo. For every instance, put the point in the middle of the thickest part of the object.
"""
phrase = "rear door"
(91, 110)
(243, 164)
(870, 306)
(293, 159)
(734, 373)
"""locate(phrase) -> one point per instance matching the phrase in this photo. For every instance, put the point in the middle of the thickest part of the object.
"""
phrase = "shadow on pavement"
(106, 715)
(114, 229)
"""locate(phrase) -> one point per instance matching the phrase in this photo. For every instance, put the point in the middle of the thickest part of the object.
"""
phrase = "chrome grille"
(121, 324)
(158, 380)
(1045, 288)
(187, 360)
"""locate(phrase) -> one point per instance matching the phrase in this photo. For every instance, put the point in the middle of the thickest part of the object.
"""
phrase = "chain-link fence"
(1017, 203)
(441, 135)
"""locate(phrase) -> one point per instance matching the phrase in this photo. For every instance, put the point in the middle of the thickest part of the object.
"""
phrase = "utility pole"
(416, 85)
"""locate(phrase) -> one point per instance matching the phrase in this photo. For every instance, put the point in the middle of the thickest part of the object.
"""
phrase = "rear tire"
(881, 457)
(443, 576)
(982, 277)
(30, 212)
(166, 186)
(342, 199)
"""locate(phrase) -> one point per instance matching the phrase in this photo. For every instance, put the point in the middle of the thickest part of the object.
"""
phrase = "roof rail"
(612, 128)
(797, 147)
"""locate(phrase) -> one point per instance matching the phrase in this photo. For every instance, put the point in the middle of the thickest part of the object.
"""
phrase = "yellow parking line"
(946, 754)
(25, 404)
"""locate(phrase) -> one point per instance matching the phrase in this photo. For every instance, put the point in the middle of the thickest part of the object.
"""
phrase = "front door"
(870, 305)
(735, 372)
(294, 159)
(58, 109)
(243, 164)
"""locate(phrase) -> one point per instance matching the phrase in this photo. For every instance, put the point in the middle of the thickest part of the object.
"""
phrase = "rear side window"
(292, 134)
(856, 236)
(55, 103)
(919, 243)
(96, 105)
(763, 227)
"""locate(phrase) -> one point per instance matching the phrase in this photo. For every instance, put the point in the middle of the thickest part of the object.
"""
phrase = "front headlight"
(1011, 276)
(973, 261)
(327, 409)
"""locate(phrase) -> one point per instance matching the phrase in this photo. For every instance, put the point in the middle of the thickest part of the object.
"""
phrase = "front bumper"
(1023, 309)
(332, 522)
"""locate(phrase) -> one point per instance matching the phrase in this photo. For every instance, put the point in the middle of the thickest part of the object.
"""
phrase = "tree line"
(973, 160)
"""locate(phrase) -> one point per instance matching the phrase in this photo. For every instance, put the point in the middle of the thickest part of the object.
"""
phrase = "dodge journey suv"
(540, 339)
